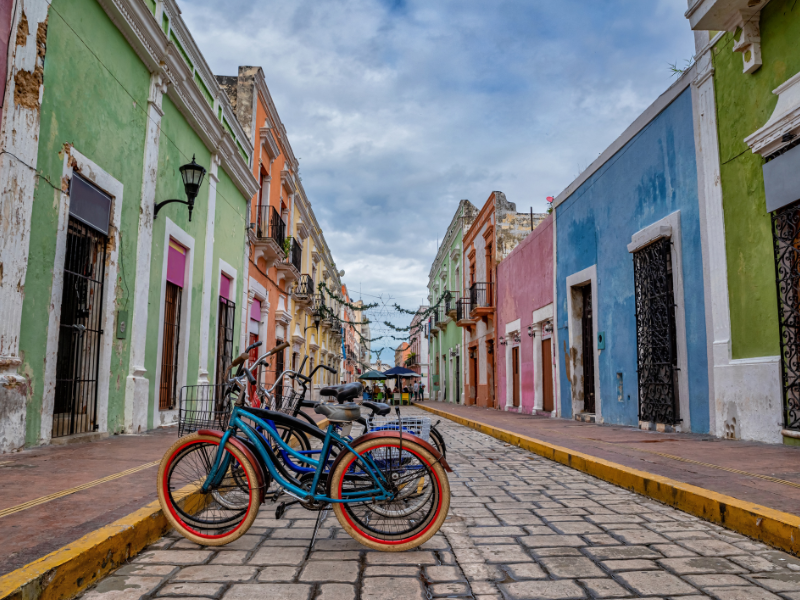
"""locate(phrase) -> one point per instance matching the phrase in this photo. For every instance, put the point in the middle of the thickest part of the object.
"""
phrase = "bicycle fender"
(239, 445)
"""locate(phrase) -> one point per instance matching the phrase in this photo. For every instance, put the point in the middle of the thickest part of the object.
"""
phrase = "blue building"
(630, 298)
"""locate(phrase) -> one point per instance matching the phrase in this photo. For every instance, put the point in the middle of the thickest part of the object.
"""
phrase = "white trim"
(642, 121)
(544, 313)
(208, 269)
(670, 227)
(539, 316)
(75, 161)
(223, 267)
(580, 279)
(785, 119)
(162, 418)
(512, 327)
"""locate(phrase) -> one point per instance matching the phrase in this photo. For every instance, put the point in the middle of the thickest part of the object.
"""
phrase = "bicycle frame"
(222, 462)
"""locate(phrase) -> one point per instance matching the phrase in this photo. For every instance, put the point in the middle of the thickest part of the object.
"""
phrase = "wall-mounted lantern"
(192, 175)
(548, 327)
(516, 337)
(503, 340)
(531, 331)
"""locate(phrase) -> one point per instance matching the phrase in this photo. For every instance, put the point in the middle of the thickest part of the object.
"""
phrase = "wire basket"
(418, 426)
(203, 407)
(285, 399)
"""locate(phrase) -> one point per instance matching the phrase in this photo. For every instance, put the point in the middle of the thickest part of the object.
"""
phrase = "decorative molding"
(268, 142)
(784, 124)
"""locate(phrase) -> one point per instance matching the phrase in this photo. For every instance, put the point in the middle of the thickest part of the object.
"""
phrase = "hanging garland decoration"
(334, 296)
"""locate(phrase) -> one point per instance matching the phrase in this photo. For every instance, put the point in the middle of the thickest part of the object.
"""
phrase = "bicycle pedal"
(280, 510)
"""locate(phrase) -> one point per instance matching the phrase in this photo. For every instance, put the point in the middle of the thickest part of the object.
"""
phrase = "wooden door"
(515, 374)
(473, 380)
(251, 389)
(547, 375)
(587, 338)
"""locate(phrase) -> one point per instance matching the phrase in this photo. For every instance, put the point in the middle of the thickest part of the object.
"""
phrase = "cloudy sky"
(399, 108)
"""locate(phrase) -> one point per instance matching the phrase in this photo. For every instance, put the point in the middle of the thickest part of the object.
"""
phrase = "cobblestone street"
(519, 527)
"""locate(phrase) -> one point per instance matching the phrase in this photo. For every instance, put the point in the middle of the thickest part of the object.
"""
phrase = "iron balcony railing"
(294, 255)
(463, 308)
(269, 224)
(305, 287)
(450, 299)
(480, 295)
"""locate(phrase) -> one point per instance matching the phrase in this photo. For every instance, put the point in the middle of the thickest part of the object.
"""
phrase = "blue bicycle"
(388, 489)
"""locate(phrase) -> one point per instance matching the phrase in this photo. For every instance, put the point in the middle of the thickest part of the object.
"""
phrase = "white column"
(208, 270)
(137, 388)
(247, 294)
(19, 141)
(538, 379)
(263, 328)
(509, 378)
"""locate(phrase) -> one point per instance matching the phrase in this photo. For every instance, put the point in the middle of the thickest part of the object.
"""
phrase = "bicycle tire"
(193, 514)
(437, 440)
(419, 529)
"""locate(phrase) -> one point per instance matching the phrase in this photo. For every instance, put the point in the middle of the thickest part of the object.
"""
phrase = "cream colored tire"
(429, 529)
(184, 523)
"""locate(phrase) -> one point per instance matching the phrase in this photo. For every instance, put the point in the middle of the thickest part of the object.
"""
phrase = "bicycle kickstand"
(320, 518)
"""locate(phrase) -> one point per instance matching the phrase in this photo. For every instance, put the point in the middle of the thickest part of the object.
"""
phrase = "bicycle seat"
(379, 408)
(331, 390)
(349, 391)
(339, 413)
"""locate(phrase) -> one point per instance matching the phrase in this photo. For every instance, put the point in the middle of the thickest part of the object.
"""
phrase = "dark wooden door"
(547, 375)
(170, 350)
(515, 374)
(473, 380)
(587, 336)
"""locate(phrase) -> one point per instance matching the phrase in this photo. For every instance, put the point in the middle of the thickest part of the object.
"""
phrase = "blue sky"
(397, 109)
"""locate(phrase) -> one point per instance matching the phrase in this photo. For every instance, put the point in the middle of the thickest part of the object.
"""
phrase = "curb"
(66, 572)
(773, 527)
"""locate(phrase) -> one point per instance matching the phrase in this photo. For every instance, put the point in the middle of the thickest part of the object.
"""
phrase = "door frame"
(223, 269)
(166, 418)
(539, 317)
(670, 227)
(89, 170)
(576, 281)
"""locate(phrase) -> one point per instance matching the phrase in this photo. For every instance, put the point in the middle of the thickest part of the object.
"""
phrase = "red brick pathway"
(640, 450)
(37, 531)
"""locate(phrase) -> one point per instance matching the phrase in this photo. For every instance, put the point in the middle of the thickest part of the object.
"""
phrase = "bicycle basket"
(418, 426)
(203, 407)
(286, 402)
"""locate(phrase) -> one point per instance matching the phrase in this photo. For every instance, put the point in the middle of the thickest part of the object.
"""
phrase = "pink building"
(526, 357)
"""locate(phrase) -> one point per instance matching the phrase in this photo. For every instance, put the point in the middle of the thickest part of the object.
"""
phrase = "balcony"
(481, 300)
(463, 310)
(290, 265)
(451, 304)
(268, 236)
(441, 317)
(303, 291)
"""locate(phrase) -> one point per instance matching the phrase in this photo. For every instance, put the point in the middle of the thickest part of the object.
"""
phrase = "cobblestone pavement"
(520, 527)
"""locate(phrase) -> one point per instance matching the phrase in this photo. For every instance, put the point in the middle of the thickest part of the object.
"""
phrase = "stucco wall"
(651, 177)
(87, 106)
(744, 104)
(524, 284)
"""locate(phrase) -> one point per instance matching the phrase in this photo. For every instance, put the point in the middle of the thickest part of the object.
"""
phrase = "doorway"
(225, 324)
(515, 374)
(78, 358)
(547, 375)
(587, 339)
(473, 376)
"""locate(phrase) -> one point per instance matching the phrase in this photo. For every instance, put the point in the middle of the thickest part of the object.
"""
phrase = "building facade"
(417, 359)
(527, 356)
(445, 289)
(630, 296)
(494, 233)
(746, 83)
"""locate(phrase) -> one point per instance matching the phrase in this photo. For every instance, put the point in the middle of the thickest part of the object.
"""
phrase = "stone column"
(509, 377)
(538, 376)
(19, 142)
(137, 388)
(208, 270)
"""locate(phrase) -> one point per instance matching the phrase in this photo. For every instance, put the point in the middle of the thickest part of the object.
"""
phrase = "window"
(225, 326)
(176, 269)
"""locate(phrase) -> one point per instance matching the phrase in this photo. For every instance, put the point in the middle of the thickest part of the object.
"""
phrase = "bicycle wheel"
(199, 516)
(421, 495)
(437, 440)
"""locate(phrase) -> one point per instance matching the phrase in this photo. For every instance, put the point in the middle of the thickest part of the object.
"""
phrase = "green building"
(119, 307)
(446, 280)
(747, 108)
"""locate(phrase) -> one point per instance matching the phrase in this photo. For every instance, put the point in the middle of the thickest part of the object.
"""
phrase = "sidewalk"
(763, 474)
(28, 533)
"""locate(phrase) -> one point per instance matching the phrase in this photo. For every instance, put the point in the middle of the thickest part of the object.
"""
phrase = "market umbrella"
(373, 375)
(399, 372)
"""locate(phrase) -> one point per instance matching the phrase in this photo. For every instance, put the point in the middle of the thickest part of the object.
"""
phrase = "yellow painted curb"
(69, 570)
(778, 529)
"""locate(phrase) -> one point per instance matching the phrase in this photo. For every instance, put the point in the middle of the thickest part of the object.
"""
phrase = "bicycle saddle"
(344, 392)
(339, 413)
(379, 408)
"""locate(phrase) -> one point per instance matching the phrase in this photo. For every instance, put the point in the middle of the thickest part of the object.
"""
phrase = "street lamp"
(192, 175)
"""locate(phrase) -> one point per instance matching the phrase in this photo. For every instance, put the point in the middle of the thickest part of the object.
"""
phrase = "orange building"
(274, 264)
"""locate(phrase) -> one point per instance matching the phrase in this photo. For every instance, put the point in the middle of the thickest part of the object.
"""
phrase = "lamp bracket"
(165, 202)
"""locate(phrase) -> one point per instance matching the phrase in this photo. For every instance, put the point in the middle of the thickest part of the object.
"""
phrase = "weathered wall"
(524, 284)
(177, 146)
(744, 104)
(651, 177)
(104, 119)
